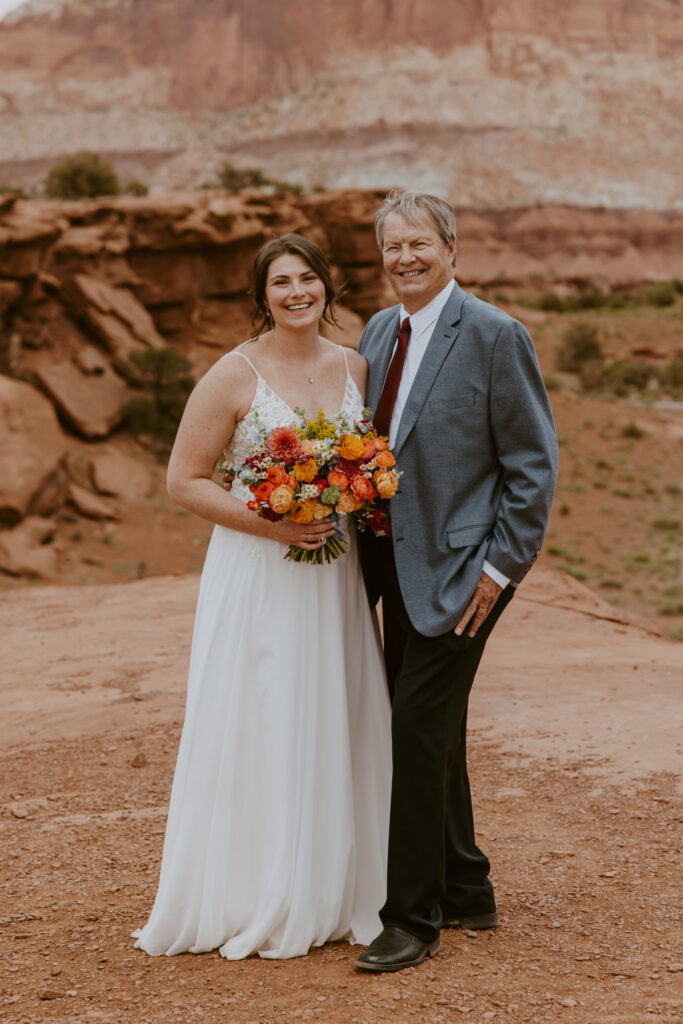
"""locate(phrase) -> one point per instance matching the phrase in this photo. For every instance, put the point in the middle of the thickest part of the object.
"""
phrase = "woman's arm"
(358, 368)
(220, 399)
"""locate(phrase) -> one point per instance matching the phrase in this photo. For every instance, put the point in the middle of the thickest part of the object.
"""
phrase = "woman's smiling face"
(294, 292)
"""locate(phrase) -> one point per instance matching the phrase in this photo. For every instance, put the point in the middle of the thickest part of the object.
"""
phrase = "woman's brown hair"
(311, 254)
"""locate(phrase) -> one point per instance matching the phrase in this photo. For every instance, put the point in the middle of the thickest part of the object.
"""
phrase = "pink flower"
(284, 444)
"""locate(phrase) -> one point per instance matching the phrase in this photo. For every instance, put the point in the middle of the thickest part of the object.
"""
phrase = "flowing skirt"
(278, 821)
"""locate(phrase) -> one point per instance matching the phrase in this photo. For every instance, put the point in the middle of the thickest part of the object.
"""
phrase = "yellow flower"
(351, 447)
(302, 511)
(306, 471)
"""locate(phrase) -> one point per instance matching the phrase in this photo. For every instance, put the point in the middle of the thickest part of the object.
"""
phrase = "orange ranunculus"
(348, 502)
(253, 505)
(384, 459)
(320, 484)
(363, 489)
(381, 444)
(264, 491)
(351, 447)
(386, 483)
(306, 471)
(337, 479)
(278, 475)
(368, 448)
(281, 499)
(302, 511)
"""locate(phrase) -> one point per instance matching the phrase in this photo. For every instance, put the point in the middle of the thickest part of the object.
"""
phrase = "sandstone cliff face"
(491, 103)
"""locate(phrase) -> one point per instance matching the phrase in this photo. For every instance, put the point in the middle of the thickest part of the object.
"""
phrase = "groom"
(456, 386)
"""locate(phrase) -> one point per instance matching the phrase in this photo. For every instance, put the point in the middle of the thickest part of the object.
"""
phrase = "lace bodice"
(268, 411)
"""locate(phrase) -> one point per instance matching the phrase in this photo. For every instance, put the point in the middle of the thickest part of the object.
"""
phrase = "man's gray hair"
(411, 205)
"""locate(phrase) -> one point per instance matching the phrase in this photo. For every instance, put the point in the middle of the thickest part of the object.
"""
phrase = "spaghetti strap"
(247, 360)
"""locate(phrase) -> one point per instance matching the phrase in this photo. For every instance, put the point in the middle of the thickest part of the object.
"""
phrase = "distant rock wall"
(490, 103)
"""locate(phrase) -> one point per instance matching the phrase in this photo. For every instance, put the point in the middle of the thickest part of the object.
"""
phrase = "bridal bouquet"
(319, 468)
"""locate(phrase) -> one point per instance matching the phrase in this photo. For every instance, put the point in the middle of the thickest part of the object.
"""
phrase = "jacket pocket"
(457, 401)
(468, 536)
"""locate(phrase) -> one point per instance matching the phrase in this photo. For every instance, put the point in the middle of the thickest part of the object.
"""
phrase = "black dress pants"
(435, 867)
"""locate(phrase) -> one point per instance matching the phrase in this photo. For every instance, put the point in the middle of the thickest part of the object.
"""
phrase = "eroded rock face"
(32, 446)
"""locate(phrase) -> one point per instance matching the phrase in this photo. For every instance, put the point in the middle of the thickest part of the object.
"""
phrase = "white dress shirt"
(422, 326)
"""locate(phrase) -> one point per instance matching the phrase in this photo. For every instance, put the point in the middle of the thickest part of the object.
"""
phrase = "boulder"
(117, 474)
(90, 505)
(115, 316)
(91, 403)
(24, 551)
(32, 446)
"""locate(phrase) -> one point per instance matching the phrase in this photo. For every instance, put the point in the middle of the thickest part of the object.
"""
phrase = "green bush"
(550, 302)
(658, 293)
(632, 431)
(579, 345)
(136, 188)
(233, 179)
(164, 374)
(82, 176)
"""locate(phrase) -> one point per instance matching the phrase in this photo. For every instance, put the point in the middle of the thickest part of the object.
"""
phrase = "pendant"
(310, 380)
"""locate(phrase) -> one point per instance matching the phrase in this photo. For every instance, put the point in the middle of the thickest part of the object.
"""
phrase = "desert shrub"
(550, 302)
(623, 376)
(657, 293)
(552, 382)
(590, 298)
(634, 432)
(82, 176)
(579, 345)
(234, 178)
(673, 601)
(671, 377)
(136, 188)
(668, 525)
(164, 375)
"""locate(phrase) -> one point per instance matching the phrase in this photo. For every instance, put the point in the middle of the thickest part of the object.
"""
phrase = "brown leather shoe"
(394, 949)
(473, 924)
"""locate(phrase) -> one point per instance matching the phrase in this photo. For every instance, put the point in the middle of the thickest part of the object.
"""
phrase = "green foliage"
(552, 382)
(673, 601)
(234, 178)
(164, 374)
(633, 431)
(579, 346)
(658, 293)
(668, 525)
(136, 188)
(82, 176)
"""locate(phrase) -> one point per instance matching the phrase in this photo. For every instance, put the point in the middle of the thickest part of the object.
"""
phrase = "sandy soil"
(575, 748)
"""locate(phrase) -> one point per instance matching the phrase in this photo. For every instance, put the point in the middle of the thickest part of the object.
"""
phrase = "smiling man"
(456, 385)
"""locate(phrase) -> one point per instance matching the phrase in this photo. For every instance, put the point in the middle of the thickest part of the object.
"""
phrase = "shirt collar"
(430, 313)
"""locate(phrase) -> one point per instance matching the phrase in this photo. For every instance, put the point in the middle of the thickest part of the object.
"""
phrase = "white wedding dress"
(278, 822)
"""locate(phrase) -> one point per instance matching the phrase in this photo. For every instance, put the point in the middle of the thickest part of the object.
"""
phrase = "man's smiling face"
(417, 261)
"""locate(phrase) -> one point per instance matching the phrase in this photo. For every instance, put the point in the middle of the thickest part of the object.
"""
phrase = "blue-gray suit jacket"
(478, 452)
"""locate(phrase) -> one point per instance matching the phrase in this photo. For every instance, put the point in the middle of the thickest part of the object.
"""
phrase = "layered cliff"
(493, 104)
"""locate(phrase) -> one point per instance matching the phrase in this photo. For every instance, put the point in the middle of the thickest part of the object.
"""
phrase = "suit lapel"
(380, 361)
(443, 338)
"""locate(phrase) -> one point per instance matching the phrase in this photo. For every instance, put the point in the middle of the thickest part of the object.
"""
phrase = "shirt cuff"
(496, 575)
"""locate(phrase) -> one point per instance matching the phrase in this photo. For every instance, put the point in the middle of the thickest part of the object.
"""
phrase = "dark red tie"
(385, 406)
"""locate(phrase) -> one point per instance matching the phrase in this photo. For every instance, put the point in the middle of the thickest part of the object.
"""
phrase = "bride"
(278, 821)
